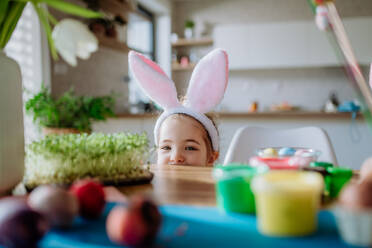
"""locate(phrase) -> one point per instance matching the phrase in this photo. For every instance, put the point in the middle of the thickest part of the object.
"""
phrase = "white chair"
(248, 139)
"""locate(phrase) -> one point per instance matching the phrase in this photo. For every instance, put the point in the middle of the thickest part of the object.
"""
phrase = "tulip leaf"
(73, 9)
(48, 30)
(3, 9)
(10, 21)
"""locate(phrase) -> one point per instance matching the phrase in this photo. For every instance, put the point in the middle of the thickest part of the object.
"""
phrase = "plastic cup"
(287, 202)
(233, 187)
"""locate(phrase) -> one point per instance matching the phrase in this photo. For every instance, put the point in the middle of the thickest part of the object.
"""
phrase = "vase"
(188, 32)
(12, 150)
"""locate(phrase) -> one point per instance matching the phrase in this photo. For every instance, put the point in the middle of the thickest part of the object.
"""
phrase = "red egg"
(91, 197)
(20, 226)
(136, 225)
(57, 204)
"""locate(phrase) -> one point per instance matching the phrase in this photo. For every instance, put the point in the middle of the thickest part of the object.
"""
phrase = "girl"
(183, 133)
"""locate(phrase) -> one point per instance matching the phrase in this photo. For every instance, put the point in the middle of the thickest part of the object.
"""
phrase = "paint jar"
(233, 187)
(287, 202)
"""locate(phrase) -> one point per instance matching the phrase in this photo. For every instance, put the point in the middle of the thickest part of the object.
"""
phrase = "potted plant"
(63, 38)
(189, 29)
(68, 113)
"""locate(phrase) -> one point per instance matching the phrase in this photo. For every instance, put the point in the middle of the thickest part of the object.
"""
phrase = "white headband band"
(203, 119)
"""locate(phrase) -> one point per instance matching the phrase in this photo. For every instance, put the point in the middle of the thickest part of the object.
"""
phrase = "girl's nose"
(177, 157)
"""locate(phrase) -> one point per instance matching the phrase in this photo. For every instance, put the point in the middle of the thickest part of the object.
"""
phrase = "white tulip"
(73, 39)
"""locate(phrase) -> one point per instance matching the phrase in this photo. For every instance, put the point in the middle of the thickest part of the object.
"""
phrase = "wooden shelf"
(193, 42)
(178, 67)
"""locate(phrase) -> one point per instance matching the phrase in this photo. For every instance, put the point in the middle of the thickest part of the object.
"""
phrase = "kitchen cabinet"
(290, 44)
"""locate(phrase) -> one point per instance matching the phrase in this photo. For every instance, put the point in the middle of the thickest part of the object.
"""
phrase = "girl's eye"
(167, 148)
(190, 148)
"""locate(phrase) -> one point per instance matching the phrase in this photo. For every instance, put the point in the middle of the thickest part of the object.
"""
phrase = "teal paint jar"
(233, 187)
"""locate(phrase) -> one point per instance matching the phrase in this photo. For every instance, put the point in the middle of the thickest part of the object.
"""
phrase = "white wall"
(307, 88)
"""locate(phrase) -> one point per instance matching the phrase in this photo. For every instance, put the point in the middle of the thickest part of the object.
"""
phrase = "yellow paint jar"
(287, 202)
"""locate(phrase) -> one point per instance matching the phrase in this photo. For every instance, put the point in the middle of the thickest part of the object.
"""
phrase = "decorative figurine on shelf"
(253, 107)
(184, 62)
(189, 29)
(332, 104)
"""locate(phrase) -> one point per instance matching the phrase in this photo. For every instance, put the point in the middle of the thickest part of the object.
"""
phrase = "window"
(25, 48)
(140, 38)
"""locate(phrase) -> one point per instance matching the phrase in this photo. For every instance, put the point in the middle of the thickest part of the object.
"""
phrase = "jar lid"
(288, 181)
(321, 164)
(340, 171)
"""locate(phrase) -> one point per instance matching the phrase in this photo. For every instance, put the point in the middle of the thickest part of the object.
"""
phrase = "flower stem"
(44, 21)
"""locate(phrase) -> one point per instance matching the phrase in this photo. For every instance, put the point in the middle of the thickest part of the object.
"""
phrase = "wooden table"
(173, 184)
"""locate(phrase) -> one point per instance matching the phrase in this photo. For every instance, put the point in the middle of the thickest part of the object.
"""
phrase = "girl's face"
(183, 141)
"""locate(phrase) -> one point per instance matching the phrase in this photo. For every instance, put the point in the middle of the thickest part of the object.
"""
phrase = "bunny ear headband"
(206, 89)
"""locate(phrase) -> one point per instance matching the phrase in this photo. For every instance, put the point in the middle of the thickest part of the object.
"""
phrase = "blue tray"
(185, 226)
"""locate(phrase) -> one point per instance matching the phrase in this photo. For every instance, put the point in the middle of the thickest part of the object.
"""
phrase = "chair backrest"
(248, 139)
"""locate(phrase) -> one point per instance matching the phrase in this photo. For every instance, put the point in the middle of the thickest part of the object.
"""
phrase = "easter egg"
(57, 204)
(357, 195)
(300, 152)
(286, 151)
(300, 161)
(136, 225)
(269, 153)
(91, 198)
(20, 226)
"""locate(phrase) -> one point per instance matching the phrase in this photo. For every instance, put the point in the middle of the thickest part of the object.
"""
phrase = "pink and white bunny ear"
(208, 82)
(154, 82)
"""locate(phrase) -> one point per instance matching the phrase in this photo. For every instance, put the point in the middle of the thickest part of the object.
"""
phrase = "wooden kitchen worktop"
(285, 114)
(173, 184)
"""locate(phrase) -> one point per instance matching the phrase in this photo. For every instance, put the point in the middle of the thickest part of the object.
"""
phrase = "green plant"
(65, 158)
(189, 24)
(69, 110)
(11, 11)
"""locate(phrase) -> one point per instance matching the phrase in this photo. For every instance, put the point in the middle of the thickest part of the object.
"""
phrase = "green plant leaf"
(102, 156)
(69, 110)
(3, 10)
(72, 9)
(15, 10)
(312, 5)
(48, 30)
